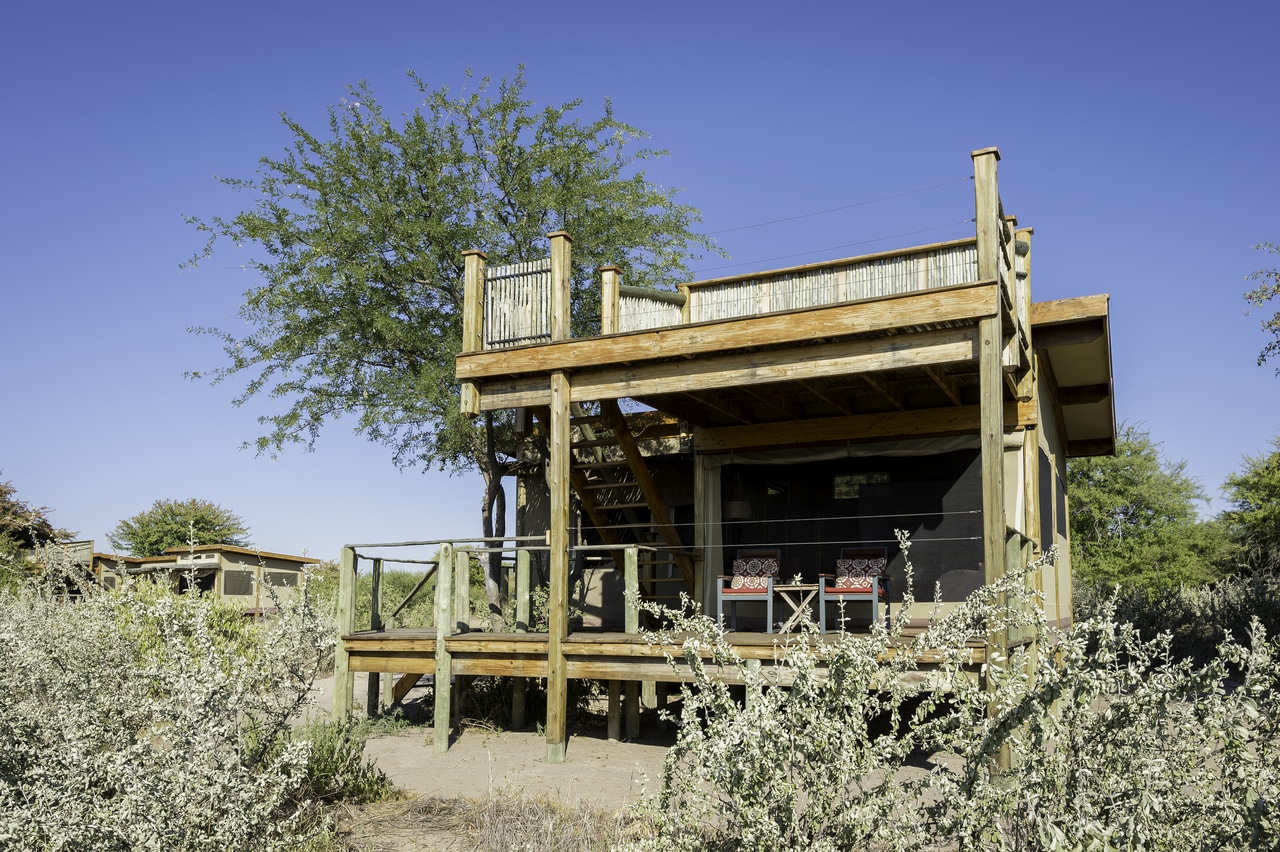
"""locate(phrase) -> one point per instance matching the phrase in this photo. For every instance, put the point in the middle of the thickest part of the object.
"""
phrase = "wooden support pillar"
(343, 679)
(558, 597)
(462, 591)
(615, 710)
(610, 278)
(520, 686)
(375, 623)
(561, 283)
(472, 321)
(753, 691)
(991, 398)
(631, 624)
(444, 664)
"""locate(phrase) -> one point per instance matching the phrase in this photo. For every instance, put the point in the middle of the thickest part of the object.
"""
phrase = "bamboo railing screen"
(842, 282)
(517, 304)
(636, 313)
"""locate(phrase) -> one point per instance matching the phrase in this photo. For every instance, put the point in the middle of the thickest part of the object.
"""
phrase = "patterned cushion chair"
(754, 573)
(861, 575)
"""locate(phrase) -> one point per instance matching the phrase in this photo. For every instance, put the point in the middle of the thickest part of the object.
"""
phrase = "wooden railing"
(517, 304)
(850, 279)
(528, 302)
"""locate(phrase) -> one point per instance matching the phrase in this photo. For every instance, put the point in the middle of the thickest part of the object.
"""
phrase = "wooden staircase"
(618, 494)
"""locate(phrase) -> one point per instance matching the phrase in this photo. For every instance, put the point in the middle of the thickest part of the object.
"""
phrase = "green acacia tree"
(1268, 288)
(361, 232)
(1254, 513)
(1134, 519)
(23, 525)
(177, 523)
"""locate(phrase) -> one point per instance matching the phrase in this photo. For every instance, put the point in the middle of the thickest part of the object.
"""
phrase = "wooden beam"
(836, 400)
(1069, 310)
(1069, 333)
(962, 303)
(404, 685)
(1091, 447)
(946, 384)
(786, 405)
(1083, 394)
(948, 346)
(727, 407)
(917, 423)
(558, 471)
(879, 386)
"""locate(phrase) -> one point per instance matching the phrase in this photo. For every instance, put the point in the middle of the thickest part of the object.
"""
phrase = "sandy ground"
(480, 762)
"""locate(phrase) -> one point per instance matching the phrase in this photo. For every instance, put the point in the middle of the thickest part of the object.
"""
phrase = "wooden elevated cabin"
(807, 410)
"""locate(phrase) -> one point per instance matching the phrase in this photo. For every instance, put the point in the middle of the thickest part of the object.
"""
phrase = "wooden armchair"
(754, 573)
(862, 574)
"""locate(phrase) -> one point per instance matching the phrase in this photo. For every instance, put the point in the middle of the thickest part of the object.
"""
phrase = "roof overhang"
(1073, 339)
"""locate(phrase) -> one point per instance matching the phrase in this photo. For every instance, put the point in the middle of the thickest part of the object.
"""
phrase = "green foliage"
(361, 231)
(25, 526)
(1134, 519)
(178, 523)
(1254, 514)
(1267, 289)
(1111, 744)
(123, 718)
(1196, 618)
(336, 770)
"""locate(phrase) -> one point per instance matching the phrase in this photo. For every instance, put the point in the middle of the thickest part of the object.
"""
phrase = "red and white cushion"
(855, 575)
(753, 574)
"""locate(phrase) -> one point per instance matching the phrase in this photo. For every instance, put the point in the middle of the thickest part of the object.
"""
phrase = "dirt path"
(482, 763)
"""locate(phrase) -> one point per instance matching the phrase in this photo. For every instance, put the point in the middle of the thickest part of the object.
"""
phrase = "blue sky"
(1139, 140)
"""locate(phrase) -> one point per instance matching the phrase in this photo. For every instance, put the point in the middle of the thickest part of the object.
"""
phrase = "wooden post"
(631, 624)
(991, 397)
(615, 710)
(520, 685)
(753, 691)
(558, 597)
(472, 321)
(462, 591)
(444, 664)
(343, 679)
(387, 681)
(561, 284)
(610, 278)
(375, 623)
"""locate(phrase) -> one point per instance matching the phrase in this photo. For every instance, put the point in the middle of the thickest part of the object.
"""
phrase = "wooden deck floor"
(604, 656)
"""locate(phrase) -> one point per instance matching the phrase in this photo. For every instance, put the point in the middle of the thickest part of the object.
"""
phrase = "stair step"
(607, 486)
(618, 506)
(598, 465)
(596, 442)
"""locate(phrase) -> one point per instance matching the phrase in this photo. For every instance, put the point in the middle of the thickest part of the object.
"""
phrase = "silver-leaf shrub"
(893, 739)
(124, 719)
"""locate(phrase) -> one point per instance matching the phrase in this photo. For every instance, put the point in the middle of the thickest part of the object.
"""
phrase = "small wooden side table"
(798, 597)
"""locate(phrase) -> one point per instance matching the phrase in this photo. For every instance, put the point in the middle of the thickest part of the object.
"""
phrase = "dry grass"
(501, 823)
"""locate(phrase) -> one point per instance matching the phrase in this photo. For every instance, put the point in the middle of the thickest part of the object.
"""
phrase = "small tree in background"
(23, 526)
(1134, 519)
(1254, 516)
(176, 523)
(1268, 288)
